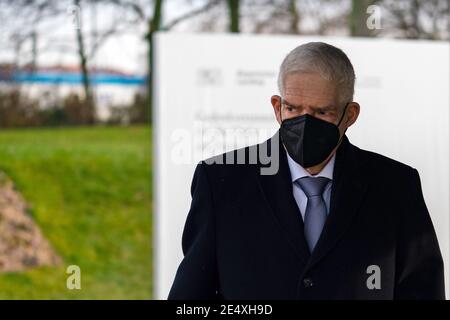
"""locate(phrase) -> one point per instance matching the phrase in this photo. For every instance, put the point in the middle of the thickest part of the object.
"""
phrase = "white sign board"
(219, 85)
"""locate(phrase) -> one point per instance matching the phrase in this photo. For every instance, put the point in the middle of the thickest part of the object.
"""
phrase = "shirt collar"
(297, 171)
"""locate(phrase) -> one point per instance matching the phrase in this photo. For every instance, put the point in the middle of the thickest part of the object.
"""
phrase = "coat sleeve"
(419, 267)
(196, 277)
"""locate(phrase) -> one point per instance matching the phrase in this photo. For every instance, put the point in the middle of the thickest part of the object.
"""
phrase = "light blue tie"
(316, 210)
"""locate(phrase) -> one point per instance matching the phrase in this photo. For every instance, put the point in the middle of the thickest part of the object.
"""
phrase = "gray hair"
(329, 62)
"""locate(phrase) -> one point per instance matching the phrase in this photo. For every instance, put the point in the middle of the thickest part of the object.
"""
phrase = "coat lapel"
(347, 193)
(277, 190)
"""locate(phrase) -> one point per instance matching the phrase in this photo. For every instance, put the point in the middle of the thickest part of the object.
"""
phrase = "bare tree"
(89, 110)
(233, 9)
(155, 23)
(295, 17)
(416, 19)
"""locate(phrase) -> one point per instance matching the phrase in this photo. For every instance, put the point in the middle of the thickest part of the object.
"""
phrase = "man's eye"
(322, 113)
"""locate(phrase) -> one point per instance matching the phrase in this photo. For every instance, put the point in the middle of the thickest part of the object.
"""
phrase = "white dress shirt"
(297, 172)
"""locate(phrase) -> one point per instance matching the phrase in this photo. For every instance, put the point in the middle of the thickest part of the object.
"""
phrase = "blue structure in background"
(73, 78)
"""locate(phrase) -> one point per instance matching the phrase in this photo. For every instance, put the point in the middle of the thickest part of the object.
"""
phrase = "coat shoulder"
(383, 165)
(234, 162)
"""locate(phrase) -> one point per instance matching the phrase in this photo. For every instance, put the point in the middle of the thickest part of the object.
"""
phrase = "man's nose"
(306, 111)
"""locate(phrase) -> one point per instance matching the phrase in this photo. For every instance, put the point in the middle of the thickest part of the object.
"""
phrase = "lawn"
(89, 190)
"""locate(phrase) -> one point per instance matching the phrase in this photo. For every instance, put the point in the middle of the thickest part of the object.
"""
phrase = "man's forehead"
(310, 89)
(305, 87)
(311, 98)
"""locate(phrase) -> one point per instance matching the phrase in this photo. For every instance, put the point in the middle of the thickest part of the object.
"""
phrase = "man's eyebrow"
(284, 101)
(324, 108)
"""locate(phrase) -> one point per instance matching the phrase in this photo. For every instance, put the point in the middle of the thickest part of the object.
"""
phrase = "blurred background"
(76, 124)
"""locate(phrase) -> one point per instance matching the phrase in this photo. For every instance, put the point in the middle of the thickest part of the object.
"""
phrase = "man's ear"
(352, 113)
(276, 104)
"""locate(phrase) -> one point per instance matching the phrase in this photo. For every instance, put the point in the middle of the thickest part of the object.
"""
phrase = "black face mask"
(309, 140)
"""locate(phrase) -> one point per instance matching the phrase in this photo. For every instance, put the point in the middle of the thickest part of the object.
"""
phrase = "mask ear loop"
(342, 117)
(343, 114)
(281, 107)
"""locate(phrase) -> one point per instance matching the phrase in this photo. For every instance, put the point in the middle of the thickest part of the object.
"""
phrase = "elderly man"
(333, 222)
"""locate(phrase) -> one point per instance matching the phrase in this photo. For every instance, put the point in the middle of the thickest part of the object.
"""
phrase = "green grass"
(89, 190)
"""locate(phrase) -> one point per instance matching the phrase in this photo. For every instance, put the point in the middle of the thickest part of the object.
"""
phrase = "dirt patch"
(22, 245)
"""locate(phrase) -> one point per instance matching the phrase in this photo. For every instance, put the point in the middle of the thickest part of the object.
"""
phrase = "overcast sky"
(126, 51)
